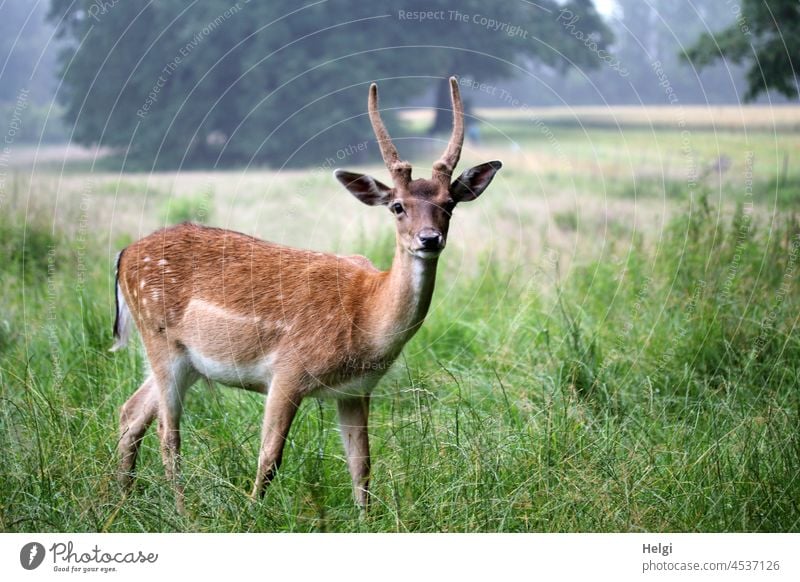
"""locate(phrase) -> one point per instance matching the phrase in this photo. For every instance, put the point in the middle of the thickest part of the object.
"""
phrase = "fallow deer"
(285, 322)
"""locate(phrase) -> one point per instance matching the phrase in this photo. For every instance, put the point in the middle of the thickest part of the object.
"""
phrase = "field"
(613, 343)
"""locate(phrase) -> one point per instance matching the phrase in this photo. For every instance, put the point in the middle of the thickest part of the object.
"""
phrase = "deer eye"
(397, 208)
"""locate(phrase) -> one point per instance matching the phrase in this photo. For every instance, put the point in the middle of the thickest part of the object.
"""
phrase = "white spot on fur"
(142, 284)
(146, 259)
(283, 326)
(123, 323)
(417, 274)
(162, 262)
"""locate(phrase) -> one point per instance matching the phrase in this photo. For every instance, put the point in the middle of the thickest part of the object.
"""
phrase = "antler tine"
(399, 169)
(443, 168)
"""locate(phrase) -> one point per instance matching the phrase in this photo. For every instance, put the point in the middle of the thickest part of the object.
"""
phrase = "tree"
(764, 35)
(652, 32)
(238, 81)
(553, 34)
(27, 80)
(26, 54)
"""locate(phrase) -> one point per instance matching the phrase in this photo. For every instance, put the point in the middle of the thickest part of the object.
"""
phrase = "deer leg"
(172, 383)
(135, 417)
(279, 411)
(353, 414)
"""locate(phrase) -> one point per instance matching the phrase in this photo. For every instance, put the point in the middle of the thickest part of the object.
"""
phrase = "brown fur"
(322, 310)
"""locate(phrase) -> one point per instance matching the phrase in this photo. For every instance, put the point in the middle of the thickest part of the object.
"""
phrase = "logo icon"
(31, 555)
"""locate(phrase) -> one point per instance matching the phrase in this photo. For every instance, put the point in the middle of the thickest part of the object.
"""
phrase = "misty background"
(218, 83)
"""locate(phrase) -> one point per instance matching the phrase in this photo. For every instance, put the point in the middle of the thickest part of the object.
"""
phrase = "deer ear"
(365, 188)
(471, 184)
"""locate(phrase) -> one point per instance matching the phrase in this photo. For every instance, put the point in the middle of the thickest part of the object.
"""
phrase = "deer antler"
(444, 166)
(399, 169)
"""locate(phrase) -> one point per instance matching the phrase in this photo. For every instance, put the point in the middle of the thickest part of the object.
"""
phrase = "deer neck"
(404, 297)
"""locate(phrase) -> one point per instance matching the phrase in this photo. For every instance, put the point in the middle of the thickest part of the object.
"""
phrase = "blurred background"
(215, 83)
(588, 104)
(613, 342)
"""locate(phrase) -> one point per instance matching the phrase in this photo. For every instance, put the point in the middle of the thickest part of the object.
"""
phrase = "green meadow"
(613, 344)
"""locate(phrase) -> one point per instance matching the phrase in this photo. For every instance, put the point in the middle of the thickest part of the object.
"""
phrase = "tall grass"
(655, 394)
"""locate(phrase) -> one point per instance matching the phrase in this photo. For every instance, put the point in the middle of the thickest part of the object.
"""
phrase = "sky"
(605, 7)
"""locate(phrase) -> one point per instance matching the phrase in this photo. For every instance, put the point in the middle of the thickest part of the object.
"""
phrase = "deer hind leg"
(279, 412)
(135, 417)
(173, 380)
(353, 414)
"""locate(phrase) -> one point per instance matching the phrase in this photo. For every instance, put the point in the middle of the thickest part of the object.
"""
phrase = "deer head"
(423, 207)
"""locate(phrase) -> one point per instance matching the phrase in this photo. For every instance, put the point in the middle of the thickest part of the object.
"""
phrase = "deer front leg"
(279, 411)
(353, 415)
(135, 417)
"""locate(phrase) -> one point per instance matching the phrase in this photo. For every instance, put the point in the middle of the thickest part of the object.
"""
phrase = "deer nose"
(430, 239)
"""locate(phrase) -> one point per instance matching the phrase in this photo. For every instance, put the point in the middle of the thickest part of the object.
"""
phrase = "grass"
(608, 349)
(657, 394)
(196, 208)
(567, 220)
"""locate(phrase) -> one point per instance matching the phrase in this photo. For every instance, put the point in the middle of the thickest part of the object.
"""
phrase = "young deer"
(285, 322)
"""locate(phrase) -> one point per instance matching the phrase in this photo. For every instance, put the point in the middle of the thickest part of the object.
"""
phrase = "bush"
(195, 208)
(28, 248)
